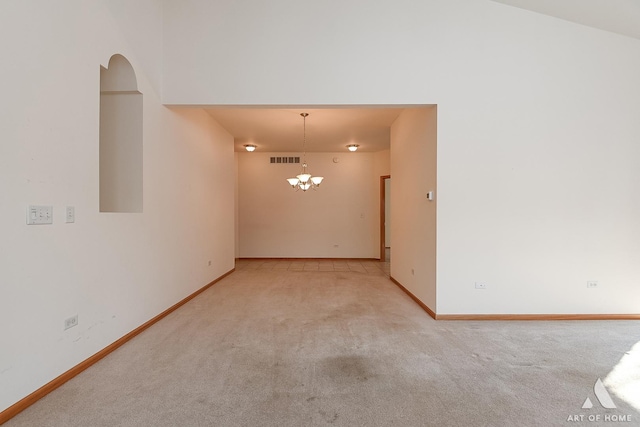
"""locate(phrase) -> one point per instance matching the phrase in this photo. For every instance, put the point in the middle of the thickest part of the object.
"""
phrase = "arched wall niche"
(120, 138)
(118, 76)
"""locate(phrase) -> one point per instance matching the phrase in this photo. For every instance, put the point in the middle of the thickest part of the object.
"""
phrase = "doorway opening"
(385, 218)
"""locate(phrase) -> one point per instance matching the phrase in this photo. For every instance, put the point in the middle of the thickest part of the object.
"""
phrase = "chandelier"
(305, 181)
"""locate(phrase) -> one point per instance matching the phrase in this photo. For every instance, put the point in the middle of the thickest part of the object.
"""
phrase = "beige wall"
(413, 223)
(339, 220)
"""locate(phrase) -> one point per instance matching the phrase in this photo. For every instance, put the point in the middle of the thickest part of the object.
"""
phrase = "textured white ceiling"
(618, 16)
(328, 129)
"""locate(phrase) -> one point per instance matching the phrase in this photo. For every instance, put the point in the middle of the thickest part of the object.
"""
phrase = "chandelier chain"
(305, 181)
(304, 137)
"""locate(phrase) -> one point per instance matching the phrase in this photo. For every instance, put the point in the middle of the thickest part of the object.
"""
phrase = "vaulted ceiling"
(617, 16)
(280, 129)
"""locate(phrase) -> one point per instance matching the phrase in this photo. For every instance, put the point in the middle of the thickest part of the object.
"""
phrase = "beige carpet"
(281, 347)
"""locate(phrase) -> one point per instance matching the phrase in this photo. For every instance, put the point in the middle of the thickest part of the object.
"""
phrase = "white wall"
(116, 271)
(413, 223)
(537, 128)
(276, 221)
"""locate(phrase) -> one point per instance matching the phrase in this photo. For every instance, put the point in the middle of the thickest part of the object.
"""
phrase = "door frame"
(383, 196)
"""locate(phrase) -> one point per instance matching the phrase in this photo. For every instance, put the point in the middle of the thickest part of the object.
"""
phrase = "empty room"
(306, 213)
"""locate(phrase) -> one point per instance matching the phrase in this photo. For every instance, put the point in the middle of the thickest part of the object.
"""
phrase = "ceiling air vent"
(284, 160)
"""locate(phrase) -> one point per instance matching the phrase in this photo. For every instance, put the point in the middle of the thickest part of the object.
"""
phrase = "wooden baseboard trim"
(538, 317)
(307, 259)
(415, 298)
(23, 404)
(515, 316)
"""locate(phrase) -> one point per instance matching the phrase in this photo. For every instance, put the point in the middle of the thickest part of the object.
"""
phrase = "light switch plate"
(39, 215)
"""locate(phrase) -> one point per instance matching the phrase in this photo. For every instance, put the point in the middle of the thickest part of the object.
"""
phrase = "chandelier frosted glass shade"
(305, 181)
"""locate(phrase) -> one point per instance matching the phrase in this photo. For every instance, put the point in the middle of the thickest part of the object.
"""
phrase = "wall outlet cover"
(71, 214)
(71, 322)
(39, 215)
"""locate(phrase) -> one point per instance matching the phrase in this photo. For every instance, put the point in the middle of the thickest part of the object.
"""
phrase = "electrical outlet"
(412, 272)
(592, 284)
(71, 322)
(481, 285)
(209, 263)
(71, 214)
